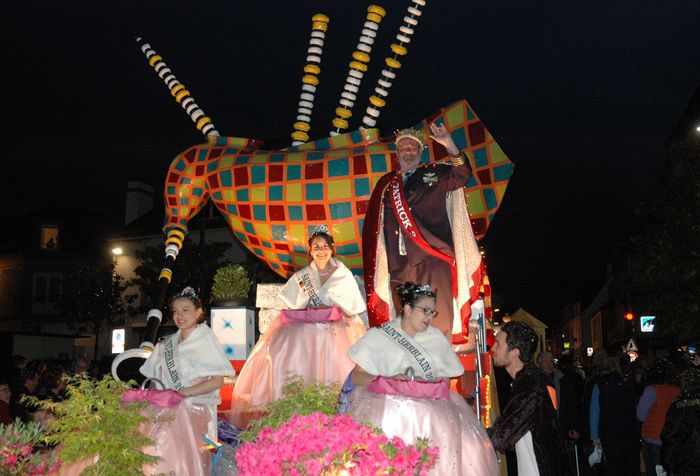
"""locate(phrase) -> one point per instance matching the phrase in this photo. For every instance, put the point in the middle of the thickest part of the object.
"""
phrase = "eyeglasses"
(427, 311)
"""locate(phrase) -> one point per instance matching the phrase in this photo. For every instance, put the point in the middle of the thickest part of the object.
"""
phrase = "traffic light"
(630, 321)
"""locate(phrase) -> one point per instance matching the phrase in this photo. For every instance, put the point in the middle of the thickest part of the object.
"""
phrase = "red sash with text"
(410, 228)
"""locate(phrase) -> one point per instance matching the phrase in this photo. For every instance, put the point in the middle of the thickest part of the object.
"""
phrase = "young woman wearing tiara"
(327, 314)
(388, 357)
(191, 361)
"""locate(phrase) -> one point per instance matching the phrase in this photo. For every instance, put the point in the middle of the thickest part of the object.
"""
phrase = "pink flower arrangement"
(17, 456)
(316, 444)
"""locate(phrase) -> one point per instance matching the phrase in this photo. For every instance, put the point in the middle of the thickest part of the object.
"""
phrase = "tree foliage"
(192, 268)
(94, 293)
(187, 270)
(663, 259)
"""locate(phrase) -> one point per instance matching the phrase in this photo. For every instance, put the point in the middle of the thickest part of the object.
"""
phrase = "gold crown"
(410, 133)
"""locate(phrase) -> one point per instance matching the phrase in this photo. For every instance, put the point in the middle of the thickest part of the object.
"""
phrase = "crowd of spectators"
(639, 416)
(42, 378)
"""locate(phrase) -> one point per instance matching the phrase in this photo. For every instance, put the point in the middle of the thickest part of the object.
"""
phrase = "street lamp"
(117, 251)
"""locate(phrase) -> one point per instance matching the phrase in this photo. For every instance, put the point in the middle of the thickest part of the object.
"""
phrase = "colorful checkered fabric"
(272, 200)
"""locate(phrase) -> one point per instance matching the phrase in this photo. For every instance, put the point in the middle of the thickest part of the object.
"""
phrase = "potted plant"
(231, 285)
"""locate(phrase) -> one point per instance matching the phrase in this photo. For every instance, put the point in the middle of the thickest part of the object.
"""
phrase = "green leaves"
(18, 455)
(192, 266)
(300, 398)
(231, 282)
(93, 421)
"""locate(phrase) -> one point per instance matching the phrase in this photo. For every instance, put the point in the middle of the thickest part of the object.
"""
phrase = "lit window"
(49, 237)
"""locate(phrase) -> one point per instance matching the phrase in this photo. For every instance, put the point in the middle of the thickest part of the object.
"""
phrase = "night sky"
(581, 96)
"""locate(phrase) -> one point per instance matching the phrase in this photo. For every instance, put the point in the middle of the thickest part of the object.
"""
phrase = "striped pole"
(319, 25)
(398, 49)
(178, 90)
(126, 366)
(358, 67)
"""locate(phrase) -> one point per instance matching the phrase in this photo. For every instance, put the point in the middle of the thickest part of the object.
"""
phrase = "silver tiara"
(320, 229)
(189, 292)
(423, 289)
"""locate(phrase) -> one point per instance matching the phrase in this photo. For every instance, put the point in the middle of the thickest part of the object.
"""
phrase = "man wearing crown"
(417, 229)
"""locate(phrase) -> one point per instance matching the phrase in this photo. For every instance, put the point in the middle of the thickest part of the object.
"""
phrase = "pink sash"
(410, 388)
(159, 398)
(311, 315)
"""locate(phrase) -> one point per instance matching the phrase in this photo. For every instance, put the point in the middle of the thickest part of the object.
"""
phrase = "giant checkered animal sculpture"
(273, 199)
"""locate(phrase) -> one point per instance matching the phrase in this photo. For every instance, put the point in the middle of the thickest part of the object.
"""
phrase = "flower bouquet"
(319, 444)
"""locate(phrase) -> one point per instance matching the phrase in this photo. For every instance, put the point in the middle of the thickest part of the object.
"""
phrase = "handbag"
(159, 398)
(409, 388)
(310, 315)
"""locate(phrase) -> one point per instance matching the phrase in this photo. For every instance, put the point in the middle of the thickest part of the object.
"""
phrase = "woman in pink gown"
(312, 342)
(410, 345)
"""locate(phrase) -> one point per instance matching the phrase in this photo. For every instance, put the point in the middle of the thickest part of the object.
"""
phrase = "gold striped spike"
(178, 91)
(358, 67)
(319, 25)
(173, 243)
(166, 273)
(398, 50)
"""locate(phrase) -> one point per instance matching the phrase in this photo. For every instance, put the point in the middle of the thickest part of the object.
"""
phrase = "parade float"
(273, 199)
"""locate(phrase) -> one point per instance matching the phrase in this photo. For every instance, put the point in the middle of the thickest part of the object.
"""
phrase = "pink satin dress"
(315, 351)
(450, 424)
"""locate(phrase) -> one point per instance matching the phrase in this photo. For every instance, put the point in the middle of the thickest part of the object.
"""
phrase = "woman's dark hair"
(520, 336)
(409, 293)
(190, 294)
(18, 361)
(52, 376)
(38, 366)
(24, 375)
(611, 365)
(661, 371)
(327, 238)
(690, 379)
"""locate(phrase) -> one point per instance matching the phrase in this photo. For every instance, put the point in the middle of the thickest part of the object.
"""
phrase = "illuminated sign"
(647, 323)
(589, 351)
(567, 345)
(118, 337)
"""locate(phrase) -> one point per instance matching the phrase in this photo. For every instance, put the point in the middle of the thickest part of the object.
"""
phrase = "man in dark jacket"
(568, 410)
(680, 449)
(613, 419)
(529, 420)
